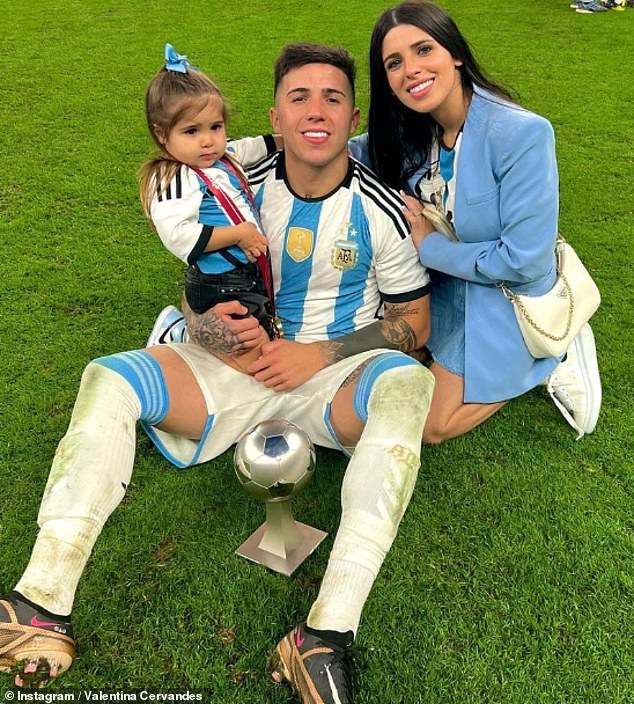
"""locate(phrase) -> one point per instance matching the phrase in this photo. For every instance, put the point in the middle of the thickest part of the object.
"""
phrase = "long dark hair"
(400, 138)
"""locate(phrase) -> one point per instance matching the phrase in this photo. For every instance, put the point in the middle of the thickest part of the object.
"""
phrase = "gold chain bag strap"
(549, 323)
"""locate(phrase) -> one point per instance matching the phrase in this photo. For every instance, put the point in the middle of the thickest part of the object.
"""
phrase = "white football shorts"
(236, 403)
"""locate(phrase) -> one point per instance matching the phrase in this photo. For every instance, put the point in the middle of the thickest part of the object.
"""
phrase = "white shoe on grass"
(170, 326)
(575, 385)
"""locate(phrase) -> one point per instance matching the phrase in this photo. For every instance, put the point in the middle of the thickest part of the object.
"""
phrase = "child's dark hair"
(400, 138)
(296, 55)
(169, 97)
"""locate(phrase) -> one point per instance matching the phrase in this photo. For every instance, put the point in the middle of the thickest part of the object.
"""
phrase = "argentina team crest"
(345, 254)
(299, 243)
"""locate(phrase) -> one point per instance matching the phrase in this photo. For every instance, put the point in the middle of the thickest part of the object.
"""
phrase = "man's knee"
(93, 462)
(388, 452)
(395, 384)
(145, 378)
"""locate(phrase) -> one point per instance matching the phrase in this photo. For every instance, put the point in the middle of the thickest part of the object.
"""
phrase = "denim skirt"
(446, 341)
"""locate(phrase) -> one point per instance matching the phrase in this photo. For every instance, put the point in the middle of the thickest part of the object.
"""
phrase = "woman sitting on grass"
(484, 209)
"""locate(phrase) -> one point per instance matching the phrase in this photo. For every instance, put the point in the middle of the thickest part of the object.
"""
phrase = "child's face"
(198, 139)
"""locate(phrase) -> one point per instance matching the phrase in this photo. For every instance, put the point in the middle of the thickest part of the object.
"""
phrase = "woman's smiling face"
(421, 73)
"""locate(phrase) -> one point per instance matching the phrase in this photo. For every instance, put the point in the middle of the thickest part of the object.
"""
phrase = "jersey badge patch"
(344, 255)
(299, 243)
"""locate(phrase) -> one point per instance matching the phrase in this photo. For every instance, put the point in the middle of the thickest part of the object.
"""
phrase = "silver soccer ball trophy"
(273, 462)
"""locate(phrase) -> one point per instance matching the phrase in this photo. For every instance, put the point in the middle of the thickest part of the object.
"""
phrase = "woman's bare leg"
(449, 416)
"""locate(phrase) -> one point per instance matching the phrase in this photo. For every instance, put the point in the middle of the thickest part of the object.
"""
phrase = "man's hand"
(284, 365)
(217, 331)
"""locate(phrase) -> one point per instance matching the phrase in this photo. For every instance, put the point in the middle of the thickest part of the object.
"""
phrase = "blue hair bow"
(175, 61)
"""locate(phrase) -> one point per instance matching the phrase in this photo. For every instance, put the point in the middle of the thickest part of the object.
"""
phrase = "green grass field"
(512, 578)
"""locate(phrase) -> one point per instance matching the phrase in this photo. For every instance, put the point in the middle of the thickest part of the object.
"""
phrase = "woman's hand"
(419, 225)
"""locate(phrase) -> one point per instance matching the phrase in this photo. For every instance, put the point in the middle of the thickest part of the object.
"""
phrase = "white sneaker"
(170, 326)
(575, 385)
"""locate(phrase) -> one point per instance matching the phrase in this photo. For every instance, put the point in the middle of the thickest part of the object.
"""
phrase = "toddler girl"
(197, 197)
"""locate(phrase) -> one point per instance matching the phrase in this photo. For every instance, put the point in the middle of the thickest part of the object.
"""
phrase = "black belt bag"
(250, 284)
(243, 284)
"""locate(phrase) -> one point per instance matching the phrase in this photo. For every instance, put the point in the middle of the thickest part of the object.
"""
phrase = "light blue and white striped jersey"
(437, 185)
(186, 213)
(335, 259)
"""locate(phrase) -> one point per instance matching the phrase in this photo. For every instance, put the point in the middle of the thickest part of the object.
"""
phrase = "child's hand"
(252, 242)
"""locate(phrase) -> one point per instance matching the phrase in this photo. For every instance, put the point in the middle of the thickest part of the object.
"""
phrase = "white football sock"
(88, 479)
(376, 490)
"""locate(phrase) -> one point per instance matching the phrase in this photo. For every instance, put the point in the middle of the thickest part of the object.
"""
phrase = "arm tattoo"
(393, 332)
(209, 331)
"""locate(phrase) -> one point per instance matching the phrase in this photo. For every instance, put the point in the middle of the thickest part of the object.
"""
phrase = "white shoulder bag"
(550, 322)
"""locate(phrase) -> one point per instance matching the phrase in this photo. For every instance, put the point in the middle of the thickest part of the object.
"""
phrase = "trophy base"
(310, 538)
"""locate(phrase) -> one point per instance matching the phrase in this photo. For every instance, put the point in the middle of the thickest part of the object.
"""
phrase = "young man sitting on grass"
(340, 249)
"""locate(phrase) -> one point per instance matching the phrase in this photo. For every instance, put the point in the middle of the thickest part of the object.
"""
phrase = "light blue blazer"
(505, 214)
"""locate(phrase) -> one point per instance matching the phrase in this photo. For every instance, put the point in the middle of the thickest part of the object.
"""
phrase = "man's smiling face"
(315, 114)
